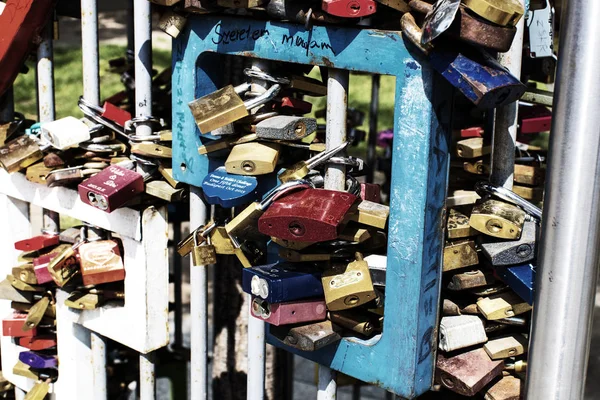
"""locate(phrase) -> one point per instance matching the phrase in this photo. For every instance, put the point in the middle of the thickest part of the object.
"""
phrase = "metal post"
(570, 240)
(147, 378)
(7, 106)
(327, 386)
(177, 280)
(89, 40)
(505, 131)
(198, 307)
(143, 63)
(372, 141)
(98, 346)
(19, 394)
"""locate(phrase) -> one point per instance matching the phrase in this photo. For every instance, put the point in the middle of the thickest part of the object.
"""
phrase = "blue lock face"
(229, 190)
(520, 278)
(281, 282)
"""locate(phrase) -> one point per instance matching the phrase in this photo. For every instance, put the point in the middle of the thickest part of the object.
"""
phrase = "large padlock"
(348, 286)
(111, 188)
(506, 346)
(311, 215)
(310, 337)
(285, 127)
(100, 262)
(281, 282)
(502, 253)
(466, 373)
(65, 132)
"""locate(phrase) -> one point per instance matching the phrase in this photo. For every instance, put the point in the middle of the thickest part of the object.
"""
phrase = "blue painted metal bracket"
(402, 358)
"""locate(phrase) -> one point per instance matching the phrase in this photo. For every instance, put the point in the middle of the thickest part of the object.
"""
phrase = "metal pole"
(143, 63)
(89, 41)
(147, 378)
(372, 142)
(505, 131)
(19, 394)
(7, 106)
(570, 240)
(177, 280)
(98, 346)
(198, 306)
(327, 386)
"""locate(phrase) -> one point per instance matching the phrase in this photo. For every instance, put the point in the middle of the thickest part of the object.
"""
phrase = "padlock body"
(38, 360)
(459, 254)
(291, 312)
(218, 109)
(498, 219)
(101, 262)
(204, 255)
(252, 159)
(37, 343)
(467, 373)
(349, 8)
(520, 278)
(370, 192)
(13, 326)
(37, 242)
(347, 286)
(65, 132)
(285, 127)
(229, 190)
(311, 215)
(64, 267)
(19, 153)
(285, 282)
(502, 253)
(40, 264)
(111, 188)
(309, 337)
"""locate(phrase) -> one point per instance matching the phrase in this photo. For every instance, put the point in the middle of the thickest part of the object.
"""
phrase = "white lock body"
(461, 331)
(65, 133)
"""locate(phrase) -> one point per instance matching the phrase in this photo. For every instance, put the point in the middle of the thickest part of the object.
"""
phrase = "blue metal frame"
(402, 358)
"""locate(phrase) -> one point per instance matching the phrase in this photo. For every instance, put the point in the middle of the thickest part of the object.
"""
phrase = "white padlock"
(461, 331)
(65, 133)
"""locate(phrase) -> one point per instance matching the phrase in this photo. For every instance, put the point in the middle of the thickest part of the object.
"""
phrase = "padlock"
(302, 168)
(377, 268)
(252, 159)
(506, 346)
(167, 174)
(50, 311)
(14, 324)
(38, 360)
(502, 305)
(20, 153)
(459, 332)
(172, 23)
(111, 188)
(100, 262)
(71, 175)
(478, 167)
(25, 273)
(370, 213)
(229, 190)
(245, 223)
(203, 253)
(291, 312)
(162, 190)
(534, 119)
(291, 106)
(37, 173)
(458, 226)
(498, 219)
(354, 233)
(459, 254)
(9, 292)
(520, 278)
(199, 6)
(37, 343)
(348, 286)
(93, 299)
(349, 8)
(281, 282)
(65, 132)
(21, 23)
(310, 337)
(466, 373)
(152, 150)
(472, 148)
(295, 256)
(471, 279)
(311, 215)
(534, 194)
(361, 322)
(370, 192)
(528, 174)
(473, 72)
(225, 106)
(36, 313)
(240, 3)
(40, 264)
(37, 242)
(285, 127)
(462, 198)
(487, 188)
(451, 308)
(22, 369)
(505, 12)
(38, 391)
(20, 285)
(65, 265)
(225, 143)
(540, 26)
(507, 388)
(185, 246)
(501, 253)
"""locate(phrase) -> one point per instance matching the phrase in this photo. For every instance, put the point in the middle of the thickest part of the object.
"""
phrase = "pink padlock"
(290, 312)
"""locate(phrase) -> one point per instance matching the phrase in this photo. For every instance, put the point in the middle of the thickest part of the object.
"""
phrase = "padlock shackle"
(263, 98)
(272, 195)
(484, 188)
(256, 74)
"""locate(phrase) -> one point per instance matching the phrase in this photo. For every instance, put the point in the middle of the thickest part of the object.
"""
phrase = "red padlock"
(311, 215)
(292, 105)
(101, 262)
(473, 132)
(534, 119)
(115, 114)
(37, 242)
(13, 326)
(37, 343)
(111, 188)
(370, 192)
(40, 264)
(349, 8)
(290, 312)
(21, 22)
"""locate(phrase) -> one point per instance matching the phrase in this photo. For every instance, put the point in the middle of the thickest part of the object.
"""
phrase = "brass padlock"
(203, 253)
(153, 150)
(20, 153)
(458, 226)
(472, 148)
(36, 313)
(370, 213)
(308, 337)
(530, 175)
(501, 12)
(25, 273)
(534, 194)
(221, 241)
(502, 305)
(172, 23)
(348, 286)
(20, 285)
(252, 159)
(498, 219)
(185, 246)
(164, 191)
(459, 254)
(507, 388)
(507, 346)
(471, 279)
(361, 322)
(37, 173)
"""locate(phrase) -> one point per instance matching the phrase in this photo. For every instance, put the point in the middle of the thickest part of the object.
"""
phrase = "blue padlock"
(228, 190)
(280, 282)
(520, 278)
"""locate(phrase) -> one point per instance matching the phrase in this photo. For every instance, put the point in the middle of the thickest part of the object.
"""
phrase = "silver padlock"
(458, 332)
(511, 252)
(286, 127)
(65, 133)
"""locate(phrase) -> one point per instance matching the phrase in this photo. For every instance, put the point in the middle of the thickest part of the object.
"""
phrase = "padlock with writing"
(311, 215)
(459, 254)
(111, 188)
(502, 305)
(302, 168)
(459, 332)
(348, 286)
(290, 312)
(20, 153)
(252, 158)
(310, 337)
(498, 219)
(466, 373)
(229, 190)
(281, 282)
(38, 360)
(100, 262)
(203, 253)
(506, 346)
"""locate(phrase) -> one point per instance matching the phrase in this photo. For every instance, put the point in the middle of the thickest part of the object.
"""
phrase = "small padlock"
(281, 282)
(459, 332)
(498, 219)
(101, 262)
(185, 246)
(310, 337)
(458, 226)
(65, 132)
(38, 360)
(459, 254)
(111, 188)
(361, 322)
(37, 242)
(20, 153)
(506, 346)
(370, 213)
(290, 312)
(285, 127)
(172, 23)
(348, 286)
(203, 253)
(507, 388)
(152, 150)
(349, 8)
(14, 326)
(472, 148)
(471, 279)
(36, 313)
(65, 265)
(502, 305)
(466, 373)
(162, 190)
(252, 159)
(40, 264)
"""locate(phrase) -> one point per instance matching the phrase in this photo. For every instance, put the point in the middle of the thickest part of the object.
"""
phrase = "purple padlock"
(385, 138)
(38, 360)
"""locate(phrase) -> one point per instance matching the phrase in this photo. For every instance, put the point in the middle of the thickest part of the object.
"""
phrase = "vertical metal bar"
(7, 105)
(147, 378)
(327, 385)
(98, 346)
(198, 306)
(505, 131)
(570, 240)
(356, 391)
(177, 280)
(89, 41)
(372, 141)
(143, 63)
(19, 394)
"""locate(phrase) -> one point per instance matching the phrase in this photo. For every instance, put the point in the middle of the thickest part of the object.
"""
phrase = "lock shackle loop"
(484, 188)
(326, 155)
(103, 147)
(268, 95)
(256, 74)
(95, 113)
(413, 33)
(285, 187)
(353, 185)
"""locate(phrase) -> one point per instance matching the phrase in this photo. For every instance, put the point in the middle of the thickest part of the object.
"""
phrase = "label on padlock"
(111, 188)
(101, 262)
(229, 190)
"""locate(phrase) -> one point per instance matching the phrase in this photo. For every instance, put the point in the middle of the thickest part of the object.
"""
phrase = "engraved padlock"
(348, 286)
